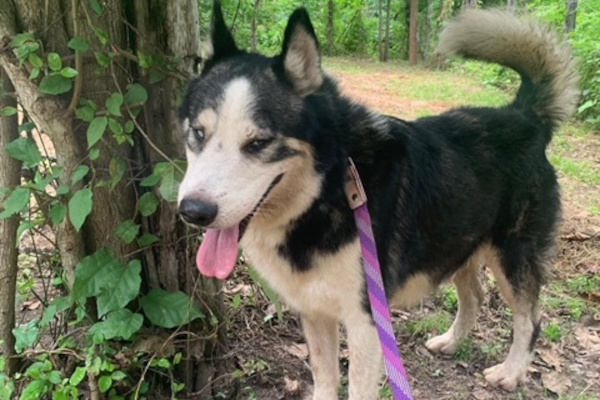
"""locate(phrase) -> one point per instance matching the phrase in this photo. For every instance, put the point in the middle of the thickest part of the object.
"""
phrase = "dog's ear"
(301, 55)
(223, 44)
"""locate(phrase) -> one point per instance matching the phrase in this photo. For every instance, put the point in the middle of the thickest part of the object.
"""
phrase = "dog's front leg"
(366, 364)
(322, 337)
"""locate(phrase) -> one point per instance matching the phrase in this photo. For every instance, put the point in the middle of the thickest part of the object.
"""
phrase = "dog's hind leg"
(366, 363)
(322, 336)
(470, 297)
(518, 272)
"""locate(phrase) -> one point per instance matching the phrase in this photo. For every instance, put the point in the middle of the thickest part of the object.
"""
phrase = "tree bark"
(468, 4)
(253, 27)
(386, 49)
(511, 6)
(571, 19)
(10, 172)
(330, 28)
(380, 31)
(413, 45)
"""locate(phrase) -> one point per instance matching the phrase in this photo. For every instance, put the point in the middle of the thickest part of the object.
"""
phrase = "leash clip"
(355, 193)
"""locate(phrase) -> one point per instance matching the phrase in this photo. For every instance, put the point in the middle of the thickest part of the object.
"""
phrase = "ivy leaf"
(25, 150)
(104, 383)
(35, 72)
(102, 59)
(80, 173)
(114, 103)
(77, 376)
(147, 239)
(55, 84)
(54, 61)
(123, 288)
(57, 213)
(121, 323)
(116, 170)
(26, 335)
(85, 113)
(78, 43)
(148, 204)
(69, 72)
(169, 310)
(136, 94)
(35, 61)
(22, 38)
(94, 273)
(96, 130)
(8, 111)
(17, 201)
(128, 231)
(80, 206)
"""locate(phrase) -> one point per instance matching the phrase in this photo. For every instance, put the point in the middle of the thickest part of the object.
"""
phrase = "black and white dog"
(267, 143)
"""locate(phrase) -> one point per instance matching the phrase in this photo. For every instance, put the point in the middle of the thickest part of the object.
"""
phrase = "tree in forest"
(330, 28)
(96, 88)
(413, 41)
(571, 19)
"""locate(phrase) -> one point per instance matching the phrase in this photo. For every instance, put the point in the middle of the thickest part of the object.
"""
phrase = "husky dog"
(267, 144)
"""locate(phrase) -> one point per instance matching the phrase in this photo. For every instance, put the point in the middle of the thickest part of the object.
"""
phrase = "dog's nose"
(197, 212)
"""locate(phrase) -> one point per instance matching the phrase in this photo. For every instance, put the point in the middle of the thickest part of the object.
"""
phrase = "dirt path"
(273, 359)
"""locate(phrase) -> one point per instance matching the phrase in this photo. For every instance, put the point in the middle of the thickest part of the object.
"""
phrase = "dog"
(267, 143)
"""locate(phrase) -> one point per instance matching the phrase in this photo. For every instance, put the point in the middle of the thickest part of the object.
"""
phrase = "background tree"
(330, 28)
(571, 19)
(413, 51)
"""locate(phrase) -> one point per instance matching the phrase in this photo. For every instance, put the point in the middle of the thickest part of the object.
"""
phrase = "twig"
(78, 64)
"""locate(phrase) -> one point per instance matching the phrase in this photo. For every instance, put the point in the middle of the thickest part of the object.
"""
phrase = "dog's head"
(244, 130)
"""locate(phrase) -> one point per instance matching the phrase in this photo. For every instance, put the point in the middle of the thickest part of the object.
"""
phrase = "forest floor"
(271, 354)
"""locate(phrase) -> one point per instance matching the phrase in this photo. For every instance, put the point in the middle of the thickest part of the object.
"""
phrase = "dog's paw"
(504, 376)
(445, 344)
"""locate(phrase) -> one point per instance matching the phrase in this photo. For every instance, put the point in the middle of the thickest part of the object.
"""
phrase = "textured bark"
(469, 4)
(380, 30)
(413, 41)
(9, 177)
(330, 30)
(254, 25)
(511, 5)
(386, 49)
(571, 19)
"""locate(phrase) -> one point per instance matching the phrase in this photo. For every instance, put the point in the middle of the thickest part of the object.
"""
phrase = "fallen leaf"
(292, 386)
(577, 237)
(299, 350)
(556, 383)
(551, 358)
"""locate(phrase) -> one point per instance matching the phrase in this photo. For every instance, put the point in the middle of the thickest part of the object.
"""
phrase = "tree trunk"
(254, 25)
(386, 49)
(380, 31)
(413, 41)
(10, 172)
(468, 4)
(571, 19)
(511, 6)
(330, 28)
(166, 31)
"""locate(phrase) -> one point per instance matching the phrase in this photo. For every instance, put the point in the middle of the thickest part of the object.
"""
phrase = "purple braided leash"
(394, 367)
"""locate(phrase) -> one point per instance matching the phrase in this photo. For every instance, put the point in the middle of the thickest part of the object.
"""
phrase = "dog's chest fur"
(332, 286)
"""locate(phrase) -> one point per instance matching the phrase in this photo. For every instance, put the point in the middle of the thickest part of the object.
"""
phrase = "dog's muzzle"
(198, 212)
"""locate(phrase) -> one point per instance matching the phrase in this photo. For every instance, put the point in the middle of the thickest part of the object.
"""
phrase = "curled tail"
(545, 63)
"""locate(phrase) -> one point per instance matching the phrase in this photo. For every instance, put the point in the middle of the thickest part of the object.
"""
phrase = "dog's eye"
(197, 134)
(257, 145)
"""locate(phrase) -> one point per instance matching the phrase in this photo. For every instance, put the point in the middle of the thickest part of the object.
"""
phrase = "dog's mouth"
(218, 251)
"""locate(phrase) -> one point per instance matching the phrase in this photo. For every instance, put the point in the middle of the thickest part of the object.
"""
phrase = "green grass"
(581, 170)
(433, 324)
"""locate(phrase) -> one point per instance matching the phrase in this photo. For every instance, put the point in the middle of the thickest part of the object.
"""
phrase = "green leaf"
(104, 383)
(35, 61)
(123, 288)
(69, 72)
(118, 375)
(136, 94)
(102, 59)
(96, 130)
(24, 226)
(102, 36)
(94, 154)
(57, 213)
(116, 169)
(79, 173)
(25, 150)
(129, 126)
(586, 105)
(116, 128)
(27, 127)
(8, 111)
(55, 84)
(150, 180)
(127, 231)
(78, 43)
(21, 38)
(15, 203)
(77, 377)
(114, 103)
(35, 72)
(56, 306)
(26, 336)
(85, 113)
(80, 206)
(147, 239)
(96, 6)
(121, 323)
(169, 184)
(94, 273)
(35, 390)
(169, 310)
(148, 204)
(54, 61)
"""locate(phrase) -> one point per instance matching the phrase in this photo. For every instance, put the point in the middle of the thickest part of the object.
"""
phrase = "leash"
(380, 310)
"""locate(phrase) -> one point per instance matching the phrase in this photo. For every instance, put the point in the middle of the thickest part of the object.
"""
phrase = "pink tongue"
(218, 252)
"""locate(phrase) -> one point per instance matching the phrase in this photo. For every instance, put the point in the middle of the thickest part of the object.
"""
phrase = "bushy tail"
(545, 63)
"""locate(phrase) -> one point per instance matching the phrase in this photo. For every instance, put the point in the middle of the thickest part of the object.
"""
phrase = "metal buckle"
(355, 193)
